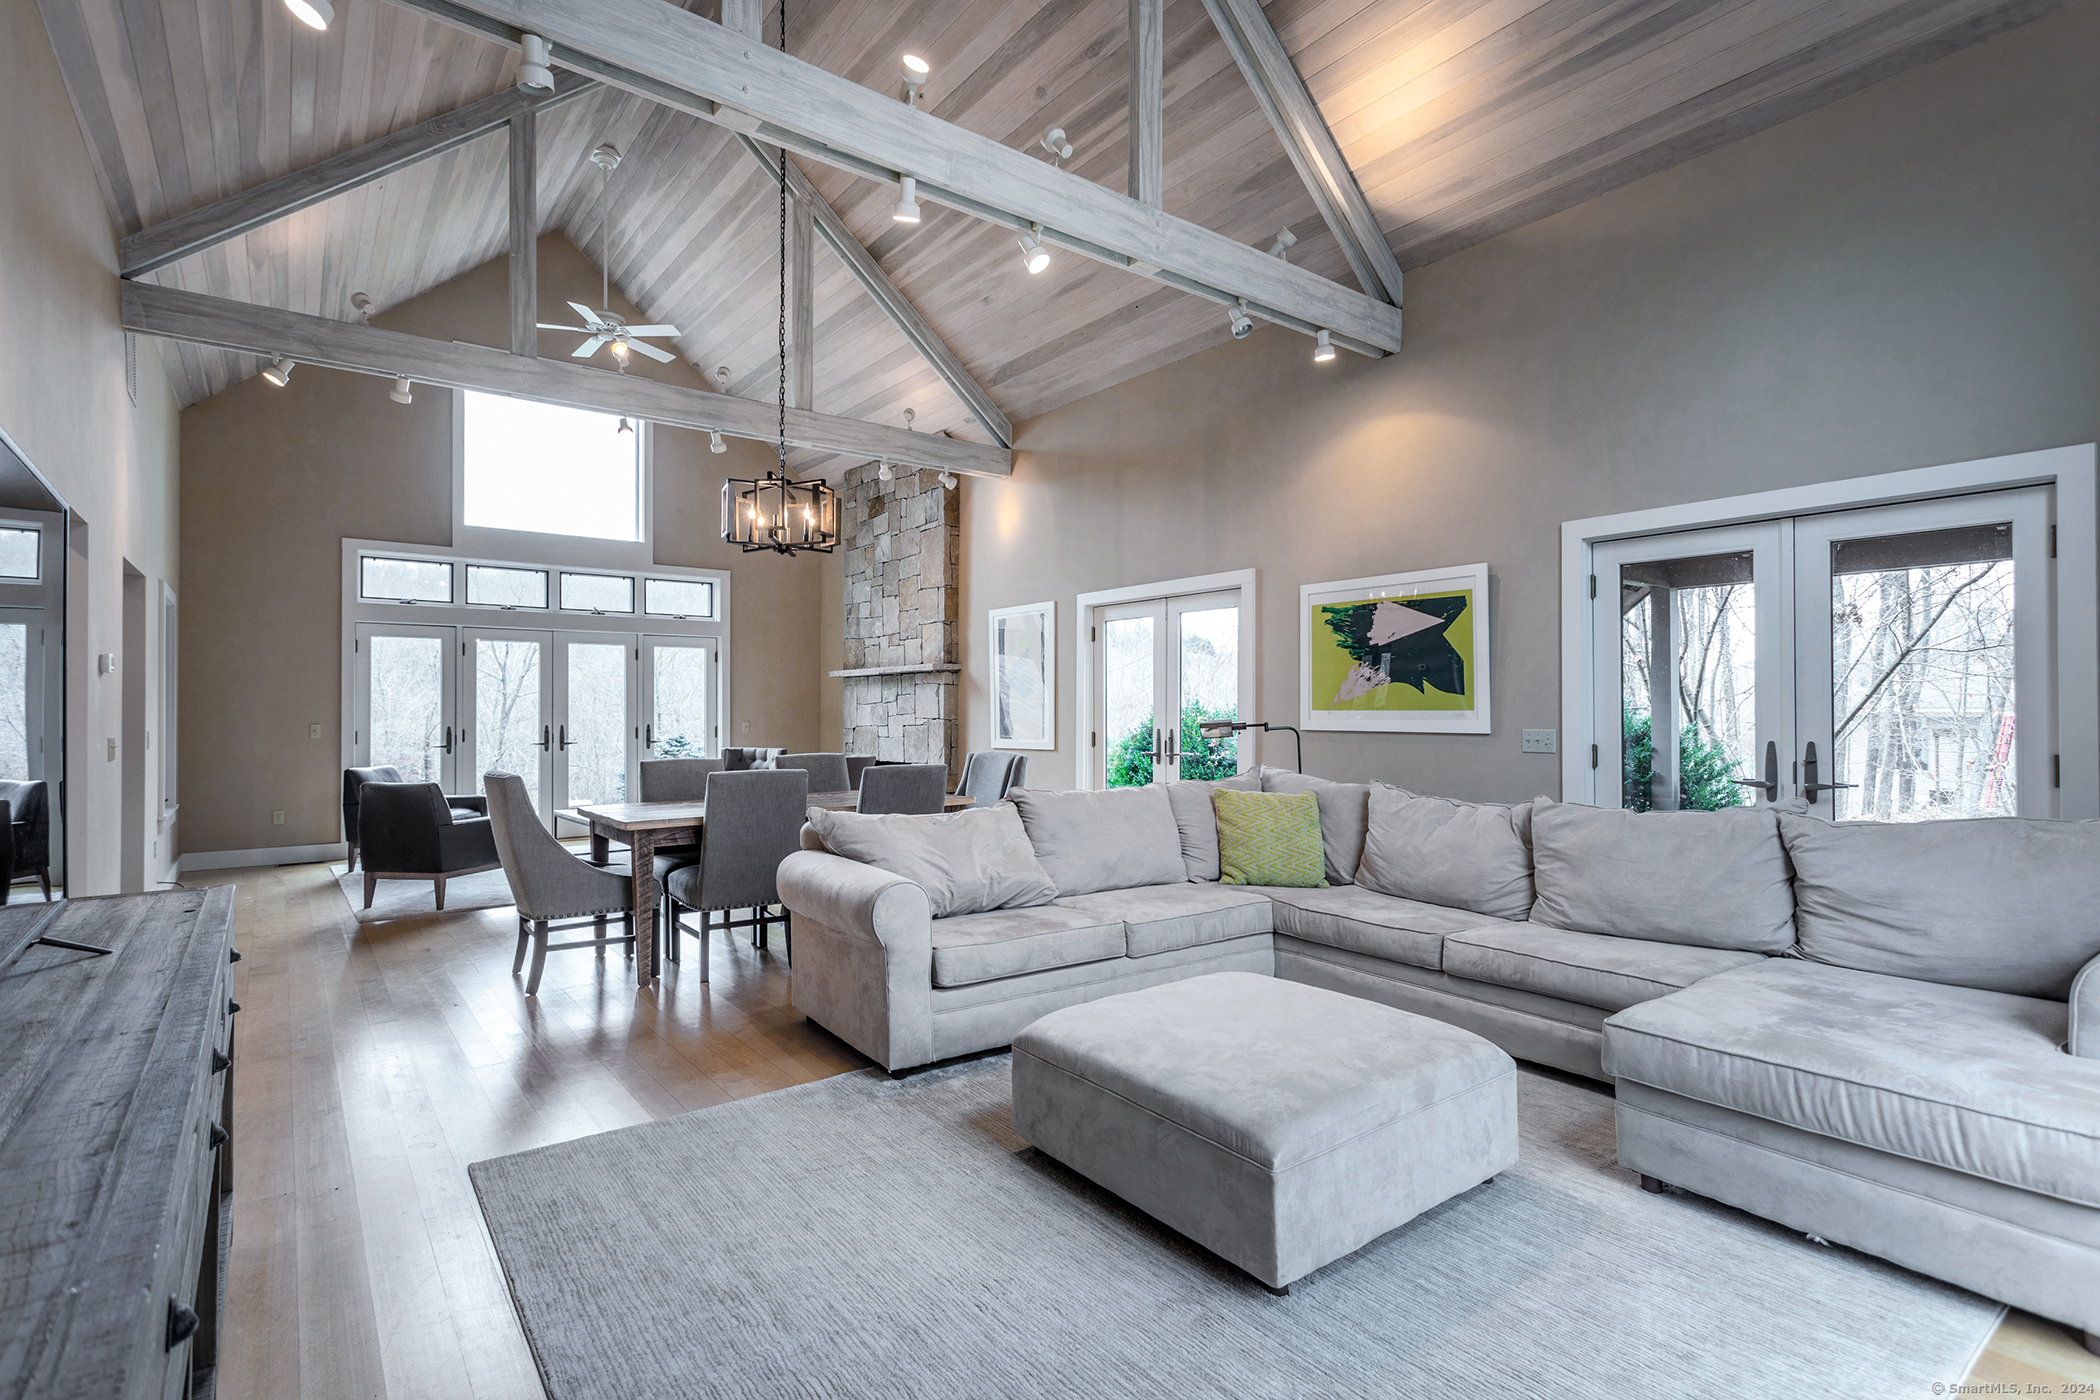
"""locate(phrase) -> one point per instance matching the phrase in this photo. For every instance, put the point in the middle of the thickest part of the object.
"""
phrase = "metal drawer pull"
(182, 1323)
(219, 1062)
(219, 1135)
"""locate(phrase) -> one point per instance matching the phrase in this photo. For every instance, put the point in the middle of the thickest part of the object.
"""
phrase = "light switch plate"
(1541, 741)
(313, 731)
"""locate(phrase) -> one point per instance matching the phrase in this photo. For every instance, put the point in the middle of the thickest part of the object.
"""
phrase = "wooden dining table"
(645, 826)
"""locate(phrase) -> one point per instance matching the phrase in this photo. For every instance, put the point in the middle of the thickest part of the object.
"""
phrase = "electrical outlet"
(313, 731)
(276, 819)
(1541, 741)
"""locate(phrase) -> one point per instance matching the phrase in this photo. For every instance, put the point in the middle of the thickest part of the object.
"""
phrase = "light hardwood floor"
(377, 1060)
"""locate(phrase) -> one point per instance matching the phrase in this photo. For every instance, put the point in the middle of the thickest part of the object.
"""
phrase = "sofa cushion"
(967, 862)
(1964, 1079)
(2002, 903)
(1198, 822)
(1269, 838)
(1344, 810)
(971, 948)
(1161, 918)
(1114, 839)
(1469, 855)
(1595, 969)
(1364, 921)
(1711, 879)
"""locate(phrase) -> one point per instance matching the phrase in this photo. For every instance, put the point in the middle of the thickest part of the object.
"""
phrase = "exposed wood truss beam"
(265, 330)
(272, 200)
(1148, 56)
(524, 234)
(695, 65)
(801, 308)
(1311, 146)
(873, 280)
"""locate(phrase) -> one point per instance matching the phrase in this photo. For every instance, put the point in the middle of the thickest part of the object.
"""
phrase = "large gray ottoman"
(1281, 1126)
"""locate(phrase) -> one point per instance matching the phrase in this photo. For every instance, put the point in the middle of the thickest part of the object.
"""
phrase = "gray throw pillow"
(1464, 855)
(968, 862)
(1344, 810)
(1198, 820)
(1707, 879)
(2002, 904)
(1117, 839)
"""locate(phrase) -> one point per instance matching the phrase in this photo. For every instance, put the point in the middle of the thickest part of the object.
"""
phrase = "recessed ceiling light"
(314, 14)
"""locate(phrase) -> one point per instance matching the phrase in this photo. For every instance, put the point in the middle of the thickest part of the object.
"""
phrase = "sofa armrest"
(2085, 1012)
(863, 955)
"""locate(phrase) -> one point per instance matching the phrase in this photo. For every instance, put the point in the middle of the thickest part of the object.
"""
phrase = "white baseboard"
(265, 855)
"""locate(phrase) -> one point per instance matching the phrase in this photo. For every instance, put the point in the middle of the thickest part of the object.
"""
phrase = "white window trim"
(1245, 580)
(2071, 470)
(575, 551)
(170, 695)
(357, 609)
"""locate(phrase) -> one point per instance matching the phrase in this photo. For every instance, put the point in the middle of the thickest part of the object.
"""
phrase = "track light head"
(715, 443)
(625, 426)
(533, 73)
(403, 391)
(916, 71)
(1282, 245)
(885, 472)
(909, 415)
(361, 303)
(606, 157)
(907, 210)
(1323, 349)
(278, 371)
(948, 481)
(314, 14)
(1055, 143)
(1034, 256)
(1242, 324)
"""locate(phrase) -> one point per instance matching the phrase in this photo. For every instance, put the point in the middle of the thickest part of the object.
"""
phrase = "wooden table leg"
(601, 848)
(643, 849)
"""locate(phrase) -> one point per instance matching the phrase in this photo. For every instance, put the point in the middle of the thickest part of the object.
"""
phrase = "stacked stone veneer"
(903, 543)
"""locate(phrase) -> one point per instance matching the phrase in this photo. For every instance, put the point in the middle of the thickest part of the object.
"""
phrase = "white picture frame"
(1333, 666)
(1023, 683)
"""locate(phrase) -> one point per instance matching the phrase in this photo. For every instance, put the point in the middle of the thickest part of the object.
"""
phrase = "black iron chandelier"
(778, 512)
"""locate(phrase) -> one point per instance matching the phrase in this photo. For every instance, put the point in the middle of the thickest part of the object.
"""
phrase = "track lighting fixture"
(715, 443)
(1055, 143)
(625, 426)
(1323, 349)
(620, 353)
(916, 71)
(907, 210)
(948, 481)
(533, 73)
(885, 472)
(1242, 325)
(361, 303)
(1033, 254)
(722, 377)
(403, 391)
(1282, 246)
(314, 14)
(278, 370)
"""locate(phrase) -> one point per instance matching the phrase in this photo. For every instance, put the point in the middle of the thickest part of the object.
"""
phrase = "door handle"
(648, 736)
(1771, 779)
(447, 745)
(565, 740)
(546, 738)
(1809, 786)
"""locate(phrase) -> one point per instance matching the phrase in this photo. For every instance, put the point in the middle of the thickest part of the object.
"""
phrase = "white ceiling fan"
(603, 327)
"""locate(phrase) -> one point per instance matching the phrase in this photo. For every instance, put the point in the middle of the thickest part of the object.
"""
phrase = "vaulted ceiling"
(1460, 118)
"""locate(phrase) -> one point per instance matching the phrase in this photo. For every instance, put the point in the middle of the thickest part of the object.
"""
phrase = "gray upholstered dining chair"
(549, 884)
(736, 760)
(827, 771)
(989, 774)
(754, 822)
(857, 764)
(676, 780)
(904, 787)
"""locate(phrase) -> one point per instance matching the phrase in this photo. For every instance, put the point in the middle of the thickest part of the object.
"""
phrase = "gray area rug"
(396, 899)
(865, 1237)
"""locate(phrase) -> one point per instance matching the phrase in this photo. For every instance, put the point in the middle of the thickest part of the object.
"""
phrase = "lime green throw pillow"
(1270, 838)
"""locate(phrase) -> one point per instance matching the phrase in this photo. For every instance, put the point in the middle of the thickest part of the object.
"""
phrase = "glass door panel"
(1133, 685)
(679, 683)
(1206, 685)
(21, 693)
(593, 730)
(403, 706)
(508, 722)
(1925, 681)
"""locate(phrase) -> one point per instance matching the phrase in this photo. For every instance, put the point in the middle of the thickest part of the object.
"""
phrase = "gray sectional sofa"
(1886, 1036)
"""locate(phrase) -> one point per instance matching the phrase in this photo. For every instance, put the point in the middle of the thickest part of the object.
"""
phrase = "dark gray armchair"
(917, 788)
(29, 826)
(412, 831)
(754, 822)
(827, 771)
(738, 760)
(989, 774)
(464, 805)
(549, 884)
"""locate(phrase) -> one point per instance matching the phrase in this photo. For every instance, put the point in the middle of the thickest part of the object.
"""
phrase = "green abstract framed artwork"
(1396, 654)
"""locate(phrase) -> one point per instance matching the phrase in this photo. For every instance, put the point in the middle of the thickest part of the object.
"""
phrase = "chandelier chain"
(784, 274)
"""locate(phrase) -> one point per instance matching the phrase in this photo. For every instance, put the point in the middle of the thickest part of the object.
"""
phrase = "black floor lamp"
(1221, 728)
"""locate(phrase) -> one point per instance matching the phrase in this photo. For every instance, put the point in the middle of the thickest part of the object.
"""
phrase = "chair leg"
(539, 957)
(43, 877)
(371, 884)
(703, 946)
(353, 857)
(524, 938)
(668, 907)
(598, 932)
(439, 881)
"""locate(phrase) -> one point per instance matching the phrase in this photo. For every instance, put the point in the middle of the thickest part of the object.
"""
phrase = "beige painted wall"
(274, 480)
(1906, 277)
(63, 401)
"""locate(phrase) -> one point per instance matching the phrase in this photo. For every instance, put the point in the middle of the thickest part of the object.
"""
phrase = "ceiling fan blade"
(651, 351)
(590, 317)
(652, 330)
(580, 330)
(588, 348)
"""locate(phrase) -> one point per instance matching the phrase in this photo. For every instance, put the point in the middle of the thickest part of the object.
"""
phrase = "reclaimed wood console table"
(116, 1105)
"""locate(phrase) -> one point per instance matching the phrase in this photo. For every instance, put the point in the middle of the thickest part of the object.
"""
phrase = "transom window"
(548, 470)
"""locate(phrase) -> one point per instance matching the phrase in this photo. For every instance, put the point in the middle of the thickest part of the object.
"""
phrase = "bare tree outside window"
(507, 727)
(14, 700)
(407, 705)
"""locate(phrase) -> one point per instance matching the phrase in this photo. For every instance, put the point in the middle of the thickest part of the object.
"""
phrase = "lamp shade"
(779, 514)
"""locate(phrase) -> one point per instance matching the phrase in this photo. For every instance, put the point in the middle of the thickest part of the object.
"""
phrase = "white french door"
(593, 694)
(403, 705)
(1892, 663)
(681, 703)
(1165, 666)
(506, 710)
(22, 700)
